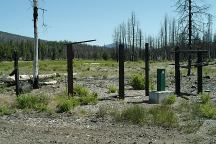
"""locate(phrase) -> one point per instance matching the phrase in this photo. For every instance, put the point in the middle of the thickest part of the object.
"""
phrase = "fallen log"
(49, 83)
(11, 79)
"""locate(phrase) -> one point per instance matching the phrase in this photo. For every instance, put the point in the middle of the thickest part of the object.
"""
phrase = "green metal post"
(161, 84)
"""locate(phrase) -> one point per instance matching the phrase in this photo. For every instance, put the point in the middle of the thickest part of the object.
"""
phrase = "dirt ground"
(32, 127)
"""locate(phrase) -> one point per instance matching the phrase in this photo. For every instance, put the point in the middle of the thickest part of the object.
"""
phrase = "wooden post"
(35, 62)
(177, 72)
(70, 57)
(146, 69)
(16, 70)
(199, 72)
(121, 71)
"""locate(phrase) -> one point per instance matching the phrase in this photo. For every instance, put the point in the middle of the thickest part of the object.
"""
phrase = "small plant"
(205, 98)
(163, 116)
(5, 110)
(191, 127)
(80, 91)
(134, 114)
(67, 104)
(169, 100)
(102, 112)
(88, 99)
(137, 81)
(205, 108)
(112, 89)
(35, 102)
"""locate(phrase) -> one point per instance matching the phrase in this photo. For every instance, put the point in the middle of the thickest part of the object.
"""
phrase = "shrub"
(82, 96)
(163, 116)
(88, 99)
(102, 112)
(169, 100)
(137, 81)
(207, 110)
(80, 91)
(205, 98)
(66, 105)
(134, 114)
(35, 102)
(112, 89)
(5, 110)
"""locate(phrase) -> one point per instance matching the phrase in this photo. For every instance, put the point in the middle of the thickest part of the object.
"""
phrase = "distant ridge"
(5, 36)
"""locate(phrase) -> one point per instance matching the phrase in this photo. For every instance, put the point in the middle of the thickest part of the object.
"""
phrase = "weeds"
(80, 91)
(112, 89)
(169, 100)
(28, 101)
(134, 114)
(5, 110)
(191, 126)
(163, 116)
(102, 112)
(137, 81)
(66, 105)
(82, 96)
(88, 99)
(158, 115)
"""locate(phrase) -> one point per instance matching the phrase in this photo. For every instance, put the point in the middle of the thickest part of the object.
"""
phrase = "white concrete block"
(157, 97)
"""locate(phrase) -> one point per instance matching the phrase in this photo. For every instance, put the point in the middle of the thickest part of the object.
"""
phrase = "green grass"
(6, 110)
(158, 115)
(81, 91)
(65, 105)
(137, 81)
(82, 96)
(112, 89)
(2, 88)
(135, 115)
(169, 100)
(205, 108)
(163, 116)
(35, 102)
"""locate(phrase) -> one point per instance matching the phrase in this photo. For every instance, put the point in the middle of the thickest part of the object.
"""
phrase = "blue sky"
(77, 20)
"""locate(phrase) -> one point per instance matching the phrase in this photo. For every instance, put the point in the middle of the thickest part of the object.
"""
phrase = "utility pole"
(35, 62)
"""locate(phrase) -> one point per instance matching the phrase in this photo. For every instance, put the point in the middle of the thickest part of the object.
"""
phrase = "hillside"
(5, 36)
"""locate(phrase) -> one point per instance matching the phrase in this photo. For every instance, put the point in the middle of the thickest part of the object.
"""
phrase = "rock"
(193, 87)
(25, 87)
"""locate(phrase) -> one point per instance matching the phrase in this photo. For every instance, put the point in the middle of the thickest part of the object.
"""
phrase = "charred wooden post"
(70, 57)
(146, 69)
(177, 72)
(199, 72)
(16, 68)
(121, 71)
(15, 72)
